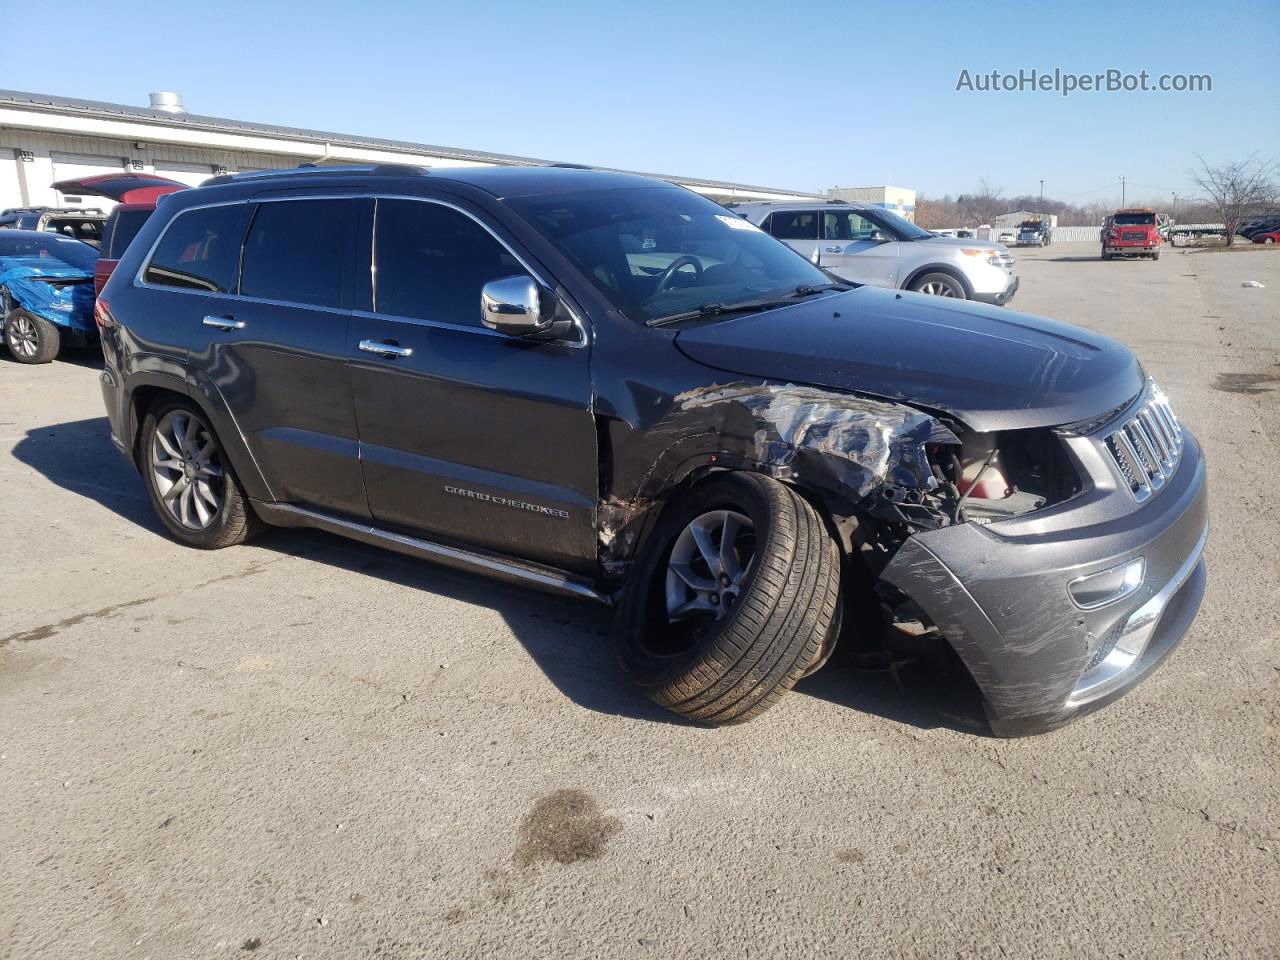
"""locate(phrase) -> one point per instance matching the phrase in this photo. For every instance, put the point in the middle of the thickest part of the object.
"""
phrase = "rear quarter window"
(199, 250)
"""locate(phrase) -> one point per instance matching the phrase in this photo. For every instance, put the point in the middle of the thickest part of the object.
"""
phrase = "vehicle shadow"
(88, 357)
(567, 639)
(1072, 259)
(919, 694)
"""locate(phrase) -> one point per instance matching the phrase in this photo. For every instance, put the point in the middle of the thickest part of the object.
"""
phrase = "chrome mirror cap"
(515, 306)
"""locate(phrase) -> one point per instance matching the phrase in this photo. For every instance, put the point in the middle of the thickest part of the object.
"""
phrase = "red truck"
(1132, 232)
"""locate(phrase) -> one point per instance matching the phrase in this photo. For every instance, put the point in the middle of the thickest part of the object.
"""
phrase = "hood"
(991, 368)
(121, 187)
(958, 242)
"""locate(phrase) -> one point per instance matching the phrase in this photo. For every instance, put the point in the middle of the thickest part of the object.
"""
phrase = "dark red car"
(136, 196)
(1271, 236)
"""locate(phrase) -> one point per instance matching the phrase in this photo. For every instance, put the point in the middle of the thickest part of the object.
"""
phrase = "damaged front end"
(63, 297)
(962, 537)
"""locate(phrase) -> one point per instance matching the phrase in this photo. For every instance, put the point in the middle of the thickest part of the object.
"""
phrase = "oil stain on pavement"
(565, 826)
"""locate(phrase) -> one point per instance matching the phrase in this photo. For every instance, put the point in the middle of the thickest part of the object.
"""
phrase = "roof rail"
(571, 166)
(313, 170)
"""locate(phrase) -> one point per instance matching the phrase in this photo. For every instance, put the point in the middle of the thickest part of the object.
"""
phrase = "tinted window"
(432, 262)
(794, 225)
(296, 250)
(199, 250)
(124, 226)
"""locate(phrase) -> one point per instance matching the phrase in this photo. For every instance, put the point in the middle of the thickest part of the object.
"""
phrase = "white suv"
(868, 244)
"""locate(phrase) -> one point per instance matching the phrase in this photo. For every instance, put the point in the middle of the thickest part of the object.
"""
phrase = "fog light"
(1099, 589)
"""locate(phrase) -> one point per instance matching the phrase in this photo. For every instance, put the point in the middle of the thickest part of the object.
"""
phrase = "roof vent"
(168, 102)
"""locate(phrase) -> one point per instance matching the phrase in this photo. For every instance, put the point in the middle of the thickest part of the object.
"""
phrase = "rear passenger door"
(275, 351)
(853, 248)
(798, 229)
(466, 434)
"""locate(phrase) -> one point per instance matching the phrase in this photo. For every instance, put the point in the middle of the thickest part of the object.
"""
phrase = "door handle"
(833, 250)
(224, 323)
(385, 349)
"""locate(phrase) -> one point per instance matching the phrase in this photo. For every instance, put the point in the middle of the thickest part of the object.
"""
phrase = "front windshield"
(50, 247)
(1135, 219)
(660, 251)
(903, 228)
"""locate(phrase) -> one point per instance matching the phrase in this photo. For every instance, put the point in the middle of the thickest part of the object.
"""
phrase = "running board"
(489, 565)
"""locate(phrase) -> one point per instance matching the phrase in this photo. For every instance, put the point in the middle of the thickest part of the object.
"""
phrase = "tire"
(1269, 240)
(730, 663)
(1104, 255)
(1156, 255)
(939, 285)
(30, 339)
(210, 513)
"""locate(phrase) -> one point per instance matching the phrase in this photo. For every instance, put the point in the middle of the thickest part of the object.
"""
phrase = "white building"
(898, 199)
(44, 139)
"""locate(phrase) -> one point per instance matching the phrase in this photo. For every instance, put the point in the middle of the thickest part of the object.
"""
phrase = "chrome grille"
(1147, 446)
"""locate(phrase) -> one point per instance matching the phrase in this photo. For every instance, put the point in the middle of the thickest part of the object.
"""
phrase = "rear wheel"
(939, 285)
(734, 599)
(189, 480)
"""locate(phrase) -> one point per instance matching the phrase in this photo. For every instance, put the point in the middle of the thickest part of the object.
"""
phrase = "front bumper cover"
(1003, 604)
(1001, 298)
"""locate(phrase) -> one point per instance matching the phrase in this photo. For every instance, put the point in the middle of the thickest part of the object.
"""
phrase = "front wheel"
(733, 600)
(939, 285)
(189, 480)
(30, 339)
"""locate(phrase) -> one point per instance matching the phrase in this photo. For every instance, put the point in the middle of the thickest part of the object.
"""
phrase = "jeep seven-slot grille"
(1148, 445)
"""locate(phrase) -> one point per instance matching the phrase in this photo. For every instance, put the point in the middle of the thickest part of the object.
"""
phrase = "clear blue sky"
(803, 95)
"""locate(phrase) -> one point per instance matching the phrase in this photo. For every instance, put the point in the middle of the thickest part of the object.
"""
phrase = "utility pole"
(1173, 214)
(1042, 196)
(1122, 192)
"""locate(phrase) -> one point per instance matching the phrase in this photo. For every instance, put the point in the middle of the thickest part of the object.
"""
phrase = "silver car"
(868, 244)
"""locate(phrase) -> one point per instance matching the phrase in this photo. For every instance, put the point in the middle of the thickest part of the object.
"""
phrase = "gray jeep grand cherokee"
(613, 388)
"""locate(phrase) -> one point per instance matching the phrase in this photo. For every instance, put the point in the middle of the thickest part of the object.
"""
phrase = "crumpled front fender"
(70, 307)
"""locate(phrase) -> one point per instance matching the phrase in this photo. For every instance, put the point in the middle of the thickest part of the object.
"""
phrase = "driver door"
(850, 249)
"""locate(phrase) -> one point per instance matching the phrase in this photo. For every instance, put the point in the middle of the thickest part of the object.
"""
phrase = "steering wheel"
(676, 264)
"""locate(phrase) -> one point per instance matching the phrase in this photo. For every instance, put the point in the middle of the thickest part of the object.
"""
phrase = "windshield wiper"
(747, 306)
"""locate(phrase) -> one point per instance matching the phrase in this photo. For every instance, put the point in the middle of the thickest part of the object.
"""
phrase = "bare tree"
(1236, 190)
(984, 205)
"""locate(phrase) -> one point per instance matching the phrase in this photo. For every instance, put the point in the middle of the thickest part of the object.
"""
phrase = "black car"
(613, 388)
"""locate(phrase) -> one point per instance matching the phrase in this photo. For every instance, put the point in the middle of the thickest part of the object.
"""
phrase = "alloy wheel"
(23, 338)
(938, 288)
(708, 565)
(187, 470)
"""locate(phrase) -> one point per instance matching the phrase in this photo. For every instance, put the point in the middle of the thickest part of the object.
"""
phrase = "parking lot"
(309, 746)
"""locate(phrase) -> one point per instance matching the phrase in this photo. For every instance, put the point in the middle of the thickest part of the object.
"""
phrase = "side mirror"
(879, 236)
(516, 306)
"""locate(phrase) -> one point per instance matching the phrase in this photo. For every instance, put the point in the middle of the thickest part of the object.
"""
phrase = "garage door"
(74, 166)
(192, 174)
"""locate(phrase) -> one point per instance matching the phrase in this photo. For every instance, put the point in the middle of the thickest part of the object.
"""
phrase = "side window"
(432, 261)
(296, 251)
(794, 225)
(846, 225)
(199, 250)
(121, 229)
